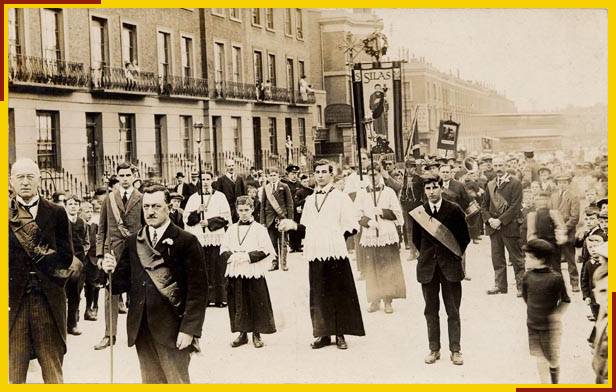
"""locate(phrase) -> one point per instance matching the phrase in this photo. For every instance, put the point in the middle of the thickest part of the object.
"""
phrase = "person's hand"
(299, 209)
(184, 340)
(99, 262)
(587, 300)
(109, 262)
(287, 224)
(372, 223)
(203, 223)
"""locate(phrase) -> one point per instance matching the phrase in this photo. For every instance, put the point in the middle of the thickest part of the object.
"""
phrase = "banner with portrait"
(448, 135)
(377, 93)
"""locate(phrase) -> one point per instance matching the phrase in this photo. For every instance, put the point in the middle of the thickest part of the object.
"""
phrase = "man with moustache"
(162, 266)
(231, 185)
(40, 252)
(501, 210)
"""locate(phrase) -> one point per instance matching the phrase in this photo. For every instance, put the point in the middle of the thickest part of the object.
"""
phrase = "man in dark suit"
(125, 202)
(501, 209)
(276, 204)
(292, 181)
(411, 196)
(453, 190)
(440, 233)
(163, 268)
(40, 252)
(184, 189)
(568, 205)
(232, 186)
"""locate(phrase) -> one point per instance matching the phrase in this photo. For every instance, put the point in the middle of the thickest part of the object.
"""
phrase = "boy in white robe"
(207, 222)
(248, 252)
(380, 242)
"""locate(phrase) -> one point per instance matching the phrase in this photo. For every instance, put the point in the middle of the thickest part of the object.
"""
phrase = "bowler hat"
(179, 175)
(292, 169)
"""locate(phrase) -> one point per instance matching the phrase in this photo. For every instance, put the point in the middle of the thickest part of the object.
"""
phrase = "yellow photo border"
(306, 4)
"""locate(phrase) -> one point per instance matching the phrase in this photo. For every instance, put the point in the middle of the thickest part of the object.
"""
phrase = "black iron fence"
(31, 69)
(63, 181)
(121, 79)
(179, 85)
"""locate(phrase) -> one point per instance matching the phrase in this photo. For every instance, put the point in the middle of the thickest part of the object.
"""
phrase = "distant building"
(541, 132)
(432, 96)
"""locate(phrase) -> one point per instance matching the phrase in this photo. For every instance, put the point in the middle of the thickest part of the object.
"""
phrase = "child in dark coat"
(546, 297)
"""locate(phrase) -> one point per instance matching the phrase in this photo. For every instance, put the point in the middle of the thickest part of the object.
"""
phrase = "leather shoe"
(321, 342)
(105, 342)
(432, 357)
(240, 340)
(388, 307)
(285, 268)
(90, 315)
(466, 277)
(274, 267)
(73, 331)
(496, 290)
(122, 309)
(256, 340)
(456, 358)
(341, 343)
(373, 307)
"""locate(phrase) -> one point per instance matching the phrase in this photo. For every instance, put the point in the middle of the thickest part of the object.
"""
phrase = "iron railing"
(31, 69)
(234, 90)
(183, 86)
(121, 80)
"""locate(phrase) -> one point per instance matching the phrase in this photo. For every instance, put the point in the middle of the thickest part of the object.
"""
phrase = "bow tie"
(378, 189)
(320, 192)
(242, 223)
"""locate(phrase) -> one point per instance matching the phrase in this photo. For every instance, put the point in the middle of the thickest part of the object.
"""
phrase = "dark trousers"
(160, 364)
(452, 296)
(215, 267)
(93, 280)
(276, 238)
(499, 243)
(91, 293)
(73, 288)
(35, 332)
(567, 253)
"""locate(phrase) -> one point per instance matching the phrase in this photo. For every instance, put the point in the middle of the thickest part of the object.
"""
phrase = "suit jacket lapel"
(119, 202)
(171, 232)
(134, 199)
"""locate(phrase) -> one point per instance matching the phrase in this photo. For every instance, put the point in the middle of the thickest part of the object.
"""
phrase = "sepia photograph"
(307, 195)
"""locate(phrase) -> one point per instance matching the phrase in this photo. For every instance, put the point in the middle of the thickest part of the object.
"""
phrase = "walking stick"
(110, 321)
(110, 318)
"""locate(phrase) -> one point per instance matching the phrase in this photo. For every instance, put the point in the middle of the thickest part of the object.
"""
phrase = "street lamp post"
(199, 127)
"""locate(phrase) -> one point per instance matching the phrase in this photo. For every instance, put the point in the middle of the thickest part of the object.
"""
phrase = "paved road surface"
(494, 340)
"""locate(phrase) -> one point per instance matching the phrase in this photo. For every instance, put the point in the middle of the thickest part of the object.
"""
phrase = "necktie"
(29, 207)
(125, 198)
(435, 210)
(154, 238)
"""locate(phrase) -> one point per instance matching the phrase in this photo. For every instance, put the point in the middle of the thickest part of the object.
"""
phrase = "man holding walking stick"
(163, 268)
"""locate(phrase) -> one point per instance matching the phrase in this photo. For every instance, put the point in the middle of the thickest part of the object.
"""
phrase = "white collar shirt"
(437, 205)
(34, 204)
(159, 232)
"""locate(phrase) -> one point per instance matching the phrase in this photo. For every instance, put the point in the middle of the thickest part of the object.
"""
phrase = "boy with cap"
(588, 270)
(176, 213)
(546, 297)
